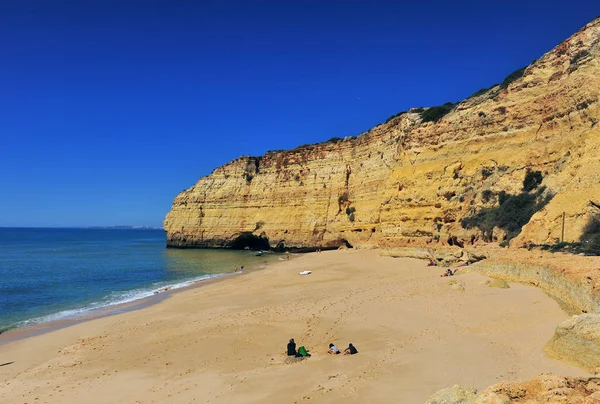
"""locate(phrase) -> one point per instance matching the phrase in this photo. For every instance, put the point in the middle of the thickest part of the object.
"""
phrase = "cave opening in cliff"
(247, 240)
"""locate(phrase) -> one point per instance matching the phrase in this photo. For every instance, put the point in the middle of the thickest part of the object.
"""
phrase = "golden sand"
(224, 342)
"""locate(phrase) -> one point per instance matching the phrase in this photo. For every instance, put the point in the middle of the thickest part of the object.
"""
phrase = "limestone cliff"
(415, 179)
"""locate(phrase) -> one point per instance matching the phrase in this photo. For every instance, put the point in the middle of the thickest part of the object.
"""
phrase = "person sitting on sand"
(333, 349)
(291, 348)
(350, 350)
(302, 352)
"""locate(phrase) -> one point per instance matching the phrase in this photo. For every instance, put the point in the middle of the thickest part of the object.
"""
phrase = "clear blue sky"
(108, 109)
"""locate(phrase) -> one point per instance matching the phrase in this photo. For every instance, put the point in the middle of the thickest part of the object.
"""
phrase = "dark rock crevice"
(248, 240)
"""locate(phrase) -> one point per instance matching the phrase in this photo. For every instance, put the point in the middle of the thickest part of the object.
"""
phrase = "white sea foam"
(114, 299)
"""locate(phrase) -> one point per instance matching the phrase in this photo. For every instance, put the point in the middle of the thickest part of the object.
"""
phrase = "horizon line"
(133, 227)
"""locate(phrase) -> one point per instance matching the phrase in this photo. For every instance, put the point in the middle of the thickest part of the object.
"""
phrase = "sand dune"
(224, 342)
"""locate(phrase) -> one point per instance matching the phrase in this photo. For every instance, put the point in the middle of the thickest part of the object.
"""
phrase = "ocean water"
(53, 274)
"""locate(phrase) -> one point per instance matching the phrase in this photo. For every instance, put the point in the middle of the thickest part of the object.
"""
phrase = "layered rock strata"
(408, 182)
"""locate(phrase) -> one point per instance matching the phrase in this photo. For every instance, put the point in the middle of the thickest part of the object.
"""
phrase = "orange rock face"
(547, 388)
(411, 183)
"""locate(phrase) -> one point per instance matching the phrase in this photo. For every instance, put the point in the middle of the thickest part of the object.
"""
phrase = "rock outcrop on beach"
(577, 341)
(547, 388)
(453, 395)
(426, 176)
(498, 283)
(573, 281)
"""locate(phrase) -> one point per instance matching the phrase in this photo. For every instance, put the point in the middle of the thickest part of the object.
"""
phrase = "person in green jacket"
(302, 352)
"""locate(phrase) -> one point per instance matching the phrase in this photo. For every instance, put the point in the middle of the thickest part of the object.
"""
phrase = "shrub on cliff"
(579, 55)
(334, 140)
(479, 92)
(486, 195)
(482, 91)
(517, 74)
(590, 239)
(350, 213)
(434, 114)
(513, 212)
(532, 180)
(395, 116)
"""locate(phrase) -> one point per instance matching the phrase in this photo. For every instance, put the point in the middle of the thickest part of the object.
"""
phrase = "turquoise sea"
(54, 274)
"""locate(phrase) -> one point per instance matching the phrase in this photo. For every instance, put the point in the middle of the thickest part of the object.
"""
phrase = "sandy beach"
(224, 342)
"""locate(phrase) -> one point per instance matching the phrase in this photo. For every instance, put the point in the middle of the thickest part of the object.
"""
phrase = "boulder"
(474, 256)
(453, 395)
(577, 341)
(498, 283)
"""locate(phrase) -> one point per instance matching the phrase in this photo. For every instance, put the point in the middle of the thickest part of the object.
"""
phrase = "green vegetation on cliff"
(591, 236)
(513, 211)
(436, 113)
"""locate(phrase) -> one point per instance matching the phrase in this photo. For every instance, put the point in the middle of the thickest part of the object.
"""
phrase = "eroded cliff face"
(411, 183)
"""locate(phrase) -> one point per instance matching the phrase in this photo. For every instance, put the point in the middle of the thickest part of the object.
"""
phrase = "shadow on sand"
(7, 363)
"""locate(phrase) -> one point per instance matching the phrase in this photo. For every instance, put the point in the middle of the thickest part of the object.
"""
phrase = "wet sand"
(224, 342)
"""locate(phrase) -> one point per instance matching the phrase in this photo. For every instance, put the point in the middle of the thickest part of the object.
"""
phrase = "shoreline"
(27, 331)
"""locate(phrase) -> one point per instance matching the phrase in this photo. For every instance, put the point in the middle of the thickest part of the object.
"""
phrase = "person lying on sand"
(350, 350)
(333, 349)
